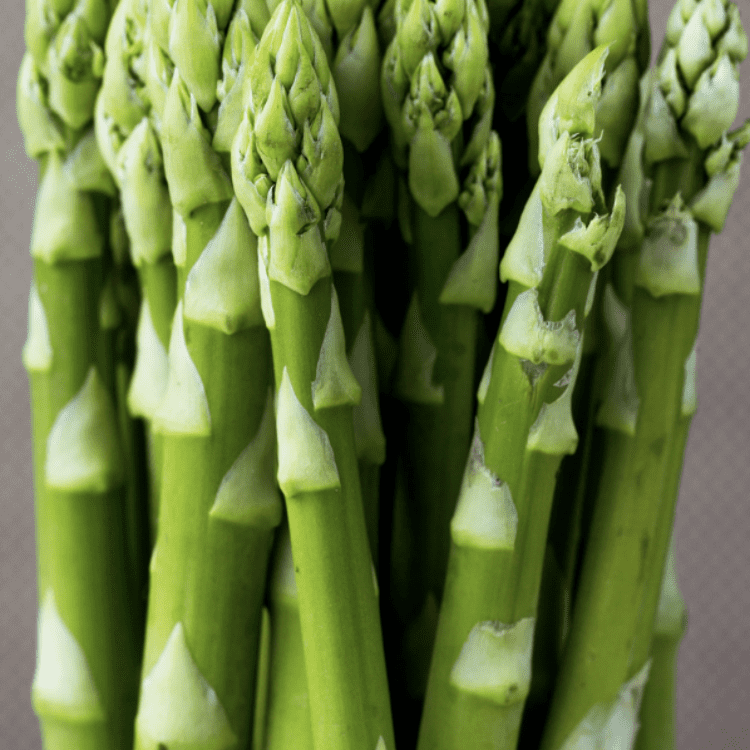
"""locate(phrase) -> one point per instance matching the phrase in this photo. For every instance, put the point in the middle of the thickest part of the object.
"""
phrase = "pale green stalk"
(287, 720)
(219, 502)
(89, 633)
(681, 168)
(481, 668)
(287, 161)
(438, 97)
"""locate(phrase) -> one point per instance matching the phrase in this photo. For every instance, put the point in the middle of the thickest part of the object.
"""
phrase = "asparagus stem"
(524, 427)
(84, 687)
(288, 722)
(219, 503)
(438, 96)
(657, 715)
(318, 471)
(654, 323)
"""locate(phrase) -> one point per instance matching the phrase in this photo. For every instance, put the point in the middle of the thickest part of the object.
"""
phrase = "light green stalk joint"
(222, 289)
(527, 335)
(151, 372)
(334, 384)
(144, 195)
(596, 241)
(671, 616)
(571, 178)
(41, 129)
(484, 383)
(179, 240)
(369, 439)
(554, 431)
(266, 301)
(524, 258)
(473, 279)
(249, 177)
(432, 175)
(636, 188)
(248, 494)
(614, 724)
(495, 662)
(572, 107)
(711, 205)
(194, 171)
(195, 46)
(178, 708)
(295, 245)
(63, 686)
(159, 73)
(306, 459)
(184, 407)
(83, 447)
(416, 360)
(619, 96)
(348, 251)
(663, 140)
(110, 312)
(485, 517)
(619, 408)
(668, 261)
(37, 353)
(356, 72)
(65, 225)
(76, 65)
(689, 388)
(242, 37)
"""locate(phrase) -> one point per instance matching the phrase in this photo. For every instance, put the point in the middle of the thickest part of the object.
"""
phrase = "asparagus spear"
(438, 99)
(84, 687)
(219, 502)
(480, 673)
(681, 150)
(128, 142)
(576, 28)
(287, 170)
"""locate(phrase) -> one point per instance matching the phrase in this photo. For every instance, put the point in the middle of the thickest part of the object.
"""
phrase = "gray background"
(713, 522)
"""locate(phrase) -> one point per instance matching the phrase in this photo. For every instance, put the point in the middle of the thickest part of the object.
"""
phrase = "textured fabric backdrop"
(713, 517)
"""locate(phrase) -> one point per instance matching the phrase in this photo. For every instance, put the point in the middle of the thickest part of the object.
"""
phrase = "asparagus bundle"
(90, 625)
(232, 173)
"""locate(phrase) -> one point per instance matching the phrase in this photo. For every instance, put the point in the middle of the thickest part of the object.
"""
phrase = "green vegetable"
(481, 668)
(438, 98)
(219, 502)
(287, 163)
(85, 684)
(652, 311)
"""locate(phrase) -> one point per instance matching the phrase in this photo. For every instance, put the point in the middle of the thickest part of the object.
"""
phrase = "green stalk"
(89, 633)
(681, 146)
(288, 722)
(128, 142)
(657, 714)
(480, 673)
(438, 97)
(219, 503)
(287, 164)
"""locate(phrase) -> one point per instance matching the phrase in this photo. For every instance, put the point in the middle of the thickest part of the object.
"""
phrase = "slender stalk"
(89, 633)
(480, 673)
(219, 503)
(653, 312)
(657, 714)
(128, 142)
(288, 722)
(291, 189)
(438, 96)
